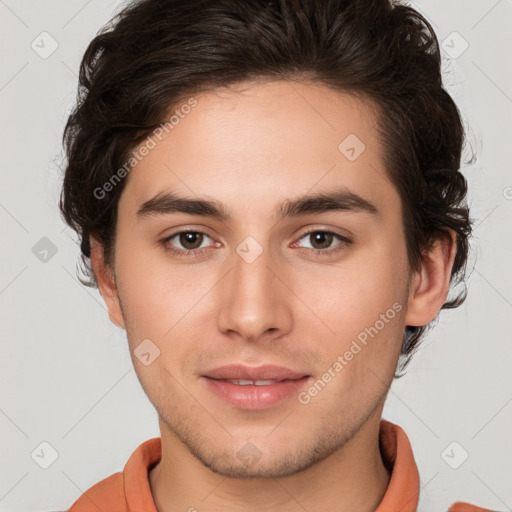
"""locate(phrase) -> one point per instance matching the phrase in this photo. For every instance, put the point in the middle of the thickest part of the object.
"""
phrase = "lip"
(264, 372)
(252, 397)
(256, 398)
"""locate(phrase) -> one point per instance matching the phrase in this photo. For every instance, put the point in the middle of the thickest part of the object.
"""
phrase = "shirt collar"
(403, 489)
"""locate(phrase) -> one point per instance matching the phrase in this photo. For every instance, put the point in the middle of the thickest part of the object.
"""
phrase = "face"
(319, 287)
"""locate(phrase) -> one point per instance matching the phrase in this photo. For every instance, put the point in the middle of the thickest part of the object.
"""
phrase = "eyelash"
(198, 252)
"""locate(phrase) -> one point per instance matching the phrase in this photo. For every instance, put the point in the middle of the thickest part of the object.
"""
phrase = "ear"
(431, 283)
(106, 283)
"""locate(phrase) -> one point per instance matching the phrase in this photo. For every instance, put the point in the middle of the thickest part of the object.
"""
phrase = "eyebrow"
(340, 199)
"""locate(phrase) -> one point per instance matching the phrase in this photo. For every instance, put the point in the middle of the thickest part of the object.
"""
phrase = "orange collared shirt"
(129, 490)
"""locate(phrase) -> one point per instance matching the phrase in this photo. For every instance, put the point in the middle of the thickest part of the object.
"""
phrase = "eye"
(322, 240)
(191, 241)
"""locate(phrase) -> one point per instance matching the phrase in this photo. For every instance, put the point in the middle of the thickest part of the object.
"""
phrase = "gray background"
(66, 374)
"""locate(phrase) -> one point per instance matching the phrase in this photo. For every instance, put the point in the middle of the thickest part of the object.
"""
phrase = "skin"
(251, 149)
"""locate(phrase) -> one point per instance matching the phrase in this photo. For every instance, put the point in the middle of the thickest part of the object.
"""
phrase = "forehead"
(263, 142)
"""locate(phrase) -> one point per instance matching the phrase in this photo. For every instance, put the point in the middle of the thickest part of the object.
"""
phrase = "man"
(270, 203)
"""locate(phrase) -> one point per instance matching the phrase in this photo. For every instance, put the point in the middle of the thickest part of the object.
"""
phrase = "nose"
(254, 301)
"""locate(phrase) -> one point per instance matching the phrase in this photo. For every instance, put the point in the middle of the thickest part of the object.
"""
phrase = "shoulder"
(461, 506)
(106, 493)
(127, 489)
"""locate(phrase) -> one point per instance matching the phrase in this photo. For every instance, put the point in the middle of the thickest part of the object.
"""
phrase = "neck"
(352, 478)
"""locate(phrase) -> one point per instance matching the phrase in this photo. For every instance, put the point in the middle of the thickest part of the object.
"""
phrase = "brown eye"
(321, 239)
(190, 240)
(322, 242)
(186, 243)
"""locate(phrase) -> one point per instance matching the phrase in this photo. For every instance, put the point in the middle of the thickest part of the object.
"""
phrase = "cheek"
(356, 291)
(146, 297)
(363, 304)
(161, 302)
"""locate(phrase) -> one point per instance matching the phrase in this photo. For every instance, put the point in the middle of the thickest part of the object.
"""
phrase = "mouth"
(264, 373)
(247, 382)
(255, 388)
